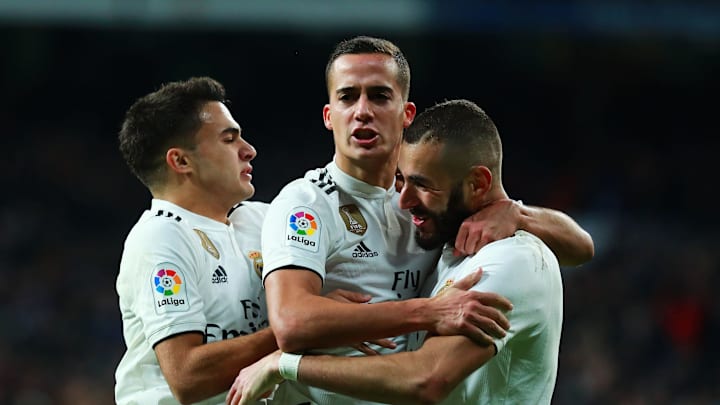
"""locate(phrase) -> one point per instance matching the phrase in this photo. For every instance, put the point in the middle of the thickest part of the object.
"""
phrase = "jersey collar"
(191, 218)
(354, 186)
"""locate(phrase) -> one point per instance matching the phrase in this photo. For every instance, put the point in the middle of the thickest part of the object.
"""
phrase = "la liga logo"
(303, 223)
(303, 229)
(168, 284)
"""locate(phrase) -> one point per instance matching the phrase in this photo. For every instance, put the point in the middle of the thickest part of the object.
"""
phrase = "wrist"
(429, 313)
(289, 365)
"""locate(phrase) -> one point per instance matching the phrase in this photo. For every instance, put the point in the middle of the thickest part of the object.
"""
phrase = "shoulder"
(256, 208)
(157, 233)
(159, 225)
(316, 189)
(512, 256)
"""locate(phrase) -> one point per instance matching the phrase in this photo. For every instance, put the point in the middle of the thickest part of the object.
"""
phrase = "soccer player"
(450, 166)
(191, 298)
(340, 227)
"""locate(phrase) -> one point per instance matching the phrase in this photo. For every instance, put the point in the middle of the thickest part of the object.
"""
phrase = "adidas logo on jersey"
(361, 250)
(219, 275)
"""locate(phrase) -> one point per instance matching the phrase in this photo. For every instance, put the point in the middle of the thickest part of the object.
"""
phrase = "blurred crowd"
(618, 132)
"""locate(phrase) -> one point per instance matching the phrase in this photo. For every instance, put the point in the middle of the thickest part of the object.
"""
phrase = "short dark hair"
(365, 44)
(468, 133)
(166, 118)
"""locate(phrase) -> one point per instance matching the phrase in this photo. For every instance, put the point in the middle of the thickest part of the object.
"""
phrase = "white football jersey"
(181, 272)
(354, 236)
(524, 270)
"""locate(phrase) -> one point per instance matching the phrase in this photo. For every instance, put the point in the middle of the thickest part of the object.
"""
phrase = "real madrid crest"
(257, 259)
(448, 284)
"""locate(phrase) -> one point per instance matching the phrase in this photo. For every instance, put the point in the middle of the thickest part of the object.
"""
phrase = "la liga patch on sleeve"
(168, 288)
(303, 229)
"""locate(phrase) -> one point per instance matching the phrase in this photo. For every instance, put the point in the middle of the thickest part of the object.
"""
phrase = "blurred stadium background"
(608, 111)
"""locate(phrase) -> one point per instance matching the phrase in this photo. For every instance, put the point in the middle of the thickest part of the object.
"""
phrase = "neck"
(379, 173)
(210, 208)
(496, 193)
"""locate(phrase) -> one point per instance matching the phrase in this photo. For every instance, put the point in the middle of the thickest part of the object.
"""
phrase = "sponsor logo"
(257, 259)
(168, 288)
(353, 218)
(219, 275)
(207, 244)
(303, 229)
(361, 250)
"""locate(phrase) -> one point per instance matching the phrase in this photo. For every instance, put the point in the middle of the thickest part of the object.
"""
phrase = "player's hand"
(255, 381)
(477, 315)
(495, 221)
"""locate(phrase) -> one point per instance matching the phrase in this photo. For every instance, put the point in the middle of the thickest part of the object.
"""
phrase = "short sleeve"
(296, 230)
(164, 265)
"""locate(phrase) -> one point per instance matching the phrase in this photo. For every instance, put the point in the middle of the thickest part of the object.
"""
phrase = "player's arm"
(303, 319)
(571, 243)
(425, 376)
(196, 371)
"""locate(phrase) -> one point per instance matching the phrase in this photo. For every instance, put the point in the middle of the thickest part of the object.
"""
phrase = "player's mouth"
(419, 218)
(247, 173)
(365, 136)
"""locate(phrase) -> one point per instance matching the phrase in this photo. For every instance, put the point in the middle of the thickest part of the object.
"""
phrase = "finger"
(490, 319)
(367, 350)
(473, 242)
(386, 343)
(490, 326)
(460, 240)
(468, 281)
(494, 300)
(479, 336)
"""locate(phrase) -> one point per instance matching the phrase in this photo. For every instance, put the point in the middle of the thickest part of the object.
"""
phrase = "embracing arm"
(571, 243)
(196, 371)
(428, 375)
(303, 319)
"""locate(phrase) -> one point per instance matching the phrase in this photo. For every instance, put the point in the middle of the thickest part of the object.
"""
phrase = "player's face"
(222, 157)
(367, 112)
(434, 199)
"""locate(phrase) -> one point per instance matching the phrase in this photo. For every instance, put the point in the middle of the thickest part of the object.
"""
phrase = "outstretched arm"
(303, 319)
(428, 375)
(571, 243)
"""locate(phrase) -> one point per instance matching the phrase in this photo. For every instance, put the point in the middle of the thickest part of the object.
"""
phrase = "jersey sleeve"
(296, 229)
(164, 265)
(518, 268)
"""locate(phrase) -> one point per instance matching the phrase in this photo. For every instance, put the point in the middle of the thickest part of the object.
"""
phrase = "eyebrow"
(231, 130)
(417, 179)
(372, 89)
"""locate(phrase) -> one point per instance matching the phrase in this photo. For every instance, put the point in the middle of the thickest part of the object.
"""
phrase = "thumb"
(470, 280)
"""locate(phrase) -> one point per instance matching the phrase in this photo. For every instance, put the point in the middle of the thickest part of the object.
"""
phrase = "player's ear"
(326, 117)
(479, 181)
(178, 160)
(410, 111)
